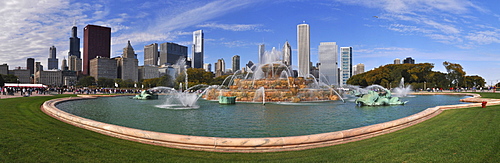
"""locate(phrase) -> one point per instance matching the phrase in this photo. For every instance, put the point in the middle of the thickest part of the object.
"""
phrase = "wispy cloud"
(168, 23)
(441, 20)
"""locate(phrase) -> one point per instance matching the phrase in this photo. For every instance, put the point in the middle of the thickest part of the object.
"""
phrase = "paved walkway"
(19, 95)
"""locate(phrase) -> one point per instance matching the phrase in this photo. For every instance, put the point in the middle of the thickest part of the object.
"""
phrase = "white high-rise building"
(198, 49)
(287, 54)
(262, 52)
(328, 54)
(303, 48)
(358, 69)
(207, 67)
(346, 65)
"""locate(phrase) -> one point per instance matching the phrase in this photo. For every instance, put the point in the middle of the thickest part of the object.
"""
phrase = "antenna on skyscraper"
(74, 22)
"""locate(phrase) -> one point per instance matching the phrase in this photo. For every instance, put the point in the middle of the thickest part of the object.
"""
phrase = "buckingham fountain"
(272, 81)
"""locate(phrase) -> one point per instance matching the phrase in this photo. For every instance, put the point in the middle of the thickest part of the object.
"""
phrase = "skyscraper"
(397, 61)
(74, 54)
(64, 64)
(74, 43)
(103, 67)
(207, 67)
(262, 52)
(303, 42)
(151, 54)
(287, 54)
(96, 42)
(198, 49)
(358, 69)
(127, 65)
(328, 54)
(236, 63)
(220, 67)
(346, 66)
(30, 64)
(170, 53)
(409, 60)
(52, 61)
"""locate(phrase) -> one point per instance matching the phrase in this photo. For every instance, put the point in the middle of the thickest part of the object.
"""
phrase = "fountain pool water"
(245, 120)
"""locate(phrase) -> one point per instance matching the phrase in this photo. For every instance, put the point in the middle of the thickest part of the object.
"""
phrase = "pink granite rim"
(249, 145)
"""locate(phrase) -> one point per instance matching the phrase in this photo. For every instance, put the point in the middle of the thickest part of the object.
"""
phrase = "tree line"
(418, 76)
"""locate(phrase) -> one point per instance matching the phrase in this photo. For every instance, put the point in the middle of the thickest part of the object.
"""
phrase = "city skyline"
(379, 31)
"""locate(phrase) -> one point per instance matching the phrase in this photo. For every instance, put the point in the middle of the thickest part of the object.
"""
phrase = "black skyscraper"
(74, 44)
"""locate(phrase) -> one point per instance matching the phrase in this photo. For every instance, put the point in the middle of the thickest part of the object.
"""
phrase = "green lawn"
(462, 135)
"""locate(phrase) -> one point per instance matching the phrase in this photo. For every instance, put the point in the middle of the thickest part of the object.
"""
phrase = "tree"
(86, 81)
(195, 76)
(105, 82)
(2, 82)
(218, 80)
(474, 81)
(390, 75)
(165, 80)
(9, 78)
(456, 74)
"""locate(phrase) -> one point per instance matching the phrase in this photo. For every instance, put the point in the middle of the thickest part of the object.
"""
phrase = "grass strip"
(461, 135)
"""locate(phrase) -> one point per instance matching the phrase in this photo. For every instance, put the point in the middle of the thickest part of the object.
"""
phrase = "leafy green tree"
(86, 81)
(218, 80)
(195, 76)
(9, 78)
(105, 82)
(456, 74)
(2, 82)
(165, 80)
(474, 81)
(150, 83)
(390, 75)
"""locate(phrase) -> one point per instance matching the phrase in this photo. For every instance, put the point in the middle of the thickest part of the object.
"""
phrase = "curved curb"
(247, 145)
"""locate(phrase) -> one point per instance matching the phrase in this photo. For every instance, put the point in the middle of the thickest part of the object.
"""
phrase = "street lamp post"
(17, 89)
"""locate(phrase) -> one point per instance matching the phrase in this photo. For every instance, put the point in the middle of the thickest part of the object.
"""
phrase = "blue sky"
(434, 31)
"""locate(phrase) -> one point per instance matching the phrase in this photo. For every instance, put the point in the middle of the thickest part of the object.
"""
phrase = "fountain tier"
(273, 82)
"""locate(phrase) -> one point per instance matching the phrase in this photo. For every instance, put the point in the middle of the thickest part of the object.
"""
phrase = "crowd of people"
(23, 91)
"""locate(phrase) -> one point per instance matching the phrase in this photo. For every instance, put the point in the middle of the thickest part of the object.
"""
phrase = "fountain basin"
(220, 144)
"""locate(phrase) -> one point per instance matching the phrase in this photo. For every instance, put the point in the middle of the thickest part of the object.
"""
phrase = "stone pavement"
(19, 95)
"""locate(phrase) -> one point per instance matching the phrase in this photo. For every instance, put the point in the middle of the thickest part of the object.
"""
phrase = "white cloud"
(485, 37)
(30, 28)
(408, 28)
(168, 23)
(233, 27)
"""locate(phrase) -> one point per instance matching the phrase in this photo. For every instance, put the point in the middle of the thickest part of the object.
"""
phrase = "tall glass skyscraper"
(346, 68)
(304, 50)
(328, 54)
(74, 44)
(197, 49)
(74, 54)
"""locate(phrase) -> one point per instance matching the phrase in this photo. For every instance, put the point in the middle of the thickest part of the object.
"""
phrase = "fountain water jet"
(401, 90)
(274, 79)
